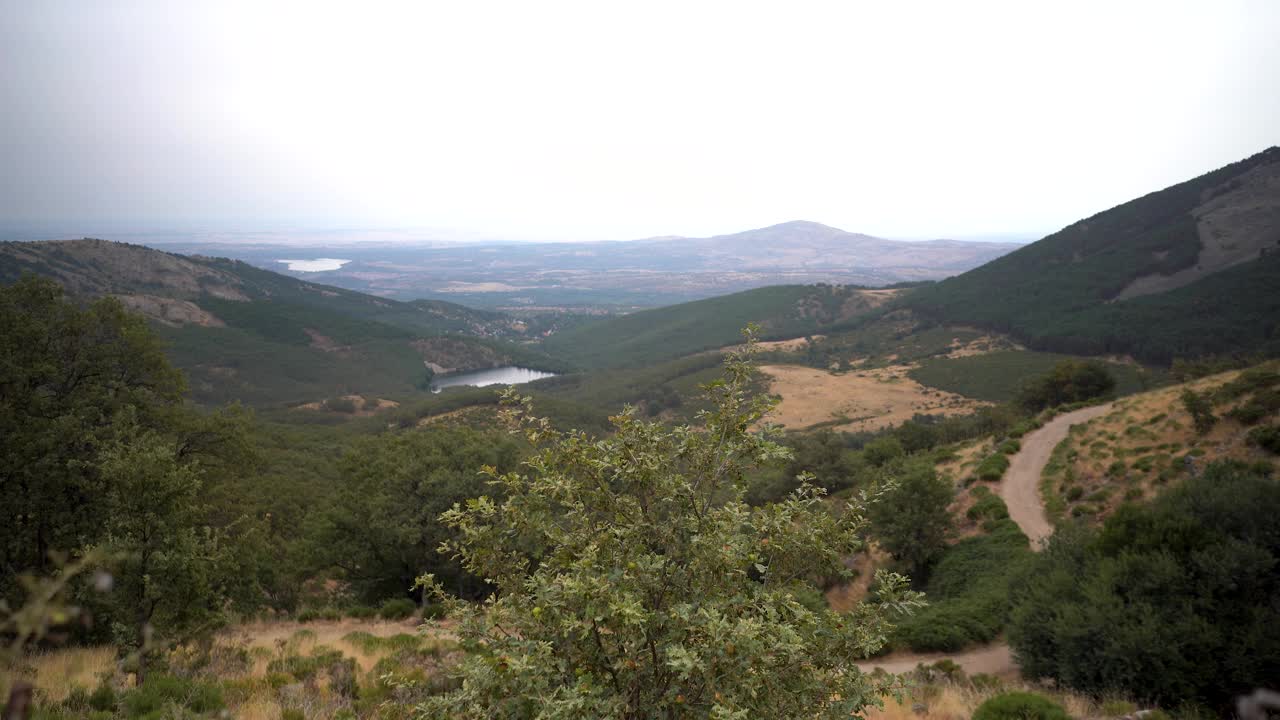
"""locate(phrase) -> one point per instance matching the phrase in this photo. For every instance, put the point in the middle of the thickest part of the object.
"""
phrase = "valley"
(361, 480)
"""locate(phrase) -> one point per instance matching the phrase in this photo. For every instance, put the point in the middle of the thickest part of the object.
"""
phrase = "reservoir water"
(510, 375)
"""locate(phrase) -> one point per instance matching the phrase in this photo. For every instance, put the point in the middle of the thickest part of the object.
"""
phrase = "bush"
(987, 506)
(341, 405)
(1201, 410)
(362, 612)
(993, 467)
(103, 698)
(1020, 706)
(161, 690)
(1266, 437)
(397, 609)
(1010, 446)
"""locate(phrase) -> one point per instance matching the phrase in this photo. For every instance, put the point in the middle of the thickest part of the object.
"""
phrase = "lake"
(510, 375)
(316, 265)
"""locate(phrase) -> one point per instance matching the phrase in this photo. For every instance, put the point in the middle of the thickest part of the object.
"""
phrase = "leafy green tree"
(66, 374)
(383, 529)
(633, 581)
(1069, 381)
(176, 573)
(911, 520)
(1201, 410)
(1173, 602)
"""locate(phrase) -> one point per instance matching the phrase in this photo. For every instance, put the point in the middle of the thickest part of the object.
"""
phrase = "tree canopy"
(1171, 602)
(632, 580)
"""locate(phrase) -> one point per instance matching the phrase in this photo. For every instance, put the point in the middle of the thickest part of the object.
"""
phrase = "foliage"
(381, 530)
(1070, 381)
(1139, 606)
(1201, 410)
(987, 507)
(968, 592)
(1266, 437)
(632, 579)
(911, 519)
(650, 336)
(397, 609)
(1053, 294)
(67, 374)
(163, 691)
(992, 467)
(1020, 706)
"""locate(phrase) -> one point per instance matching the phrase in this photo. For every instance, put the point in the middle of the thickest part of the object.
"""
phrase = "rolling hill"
(1187, 271)
(243, 333)
(649, 336)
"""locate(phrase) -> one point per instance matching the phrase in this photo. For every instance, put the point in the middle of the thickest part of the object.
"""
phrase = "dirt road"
(1020, 490)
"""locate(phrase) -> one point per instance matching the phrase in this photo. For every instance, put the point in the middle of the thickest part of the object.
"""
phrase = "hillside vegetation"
(242, 333)
(1064, 293)
(781, 311)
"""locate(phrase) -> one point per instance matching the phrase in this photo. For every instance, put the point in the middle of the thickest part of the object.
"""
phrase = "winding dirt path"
(1020, 490)
(1020, 487)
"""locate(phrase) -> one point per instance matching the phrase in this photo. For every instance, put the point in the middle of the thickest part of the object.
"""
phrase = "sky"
(609, 120)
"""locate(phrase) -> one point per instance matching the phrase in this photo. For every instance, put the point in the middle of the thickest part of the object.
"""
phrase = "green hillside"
(243, 333)
(643, 338)
(1061, 293)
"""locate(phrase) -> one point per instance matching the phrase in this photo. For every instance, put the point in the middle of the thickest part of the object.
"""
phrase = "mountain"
(244, 333)
(1187, 271)
(651, 272)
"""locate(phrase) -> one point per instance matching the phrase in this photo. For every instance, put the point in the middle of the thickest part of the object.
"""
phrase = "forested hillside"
(1189, 270)
(242, 333)
(781, 311)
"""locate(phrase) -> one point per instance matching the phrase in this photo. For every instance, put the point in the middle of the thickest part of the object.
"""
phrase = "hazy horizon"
(1001, 121)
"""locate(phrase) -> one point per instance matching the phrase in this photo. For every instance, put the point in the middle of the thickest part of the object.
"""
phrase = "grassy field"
(996, 376)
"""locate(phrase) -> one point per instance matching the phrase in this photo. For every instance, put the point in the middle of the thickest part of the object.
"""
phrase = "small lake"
(510, 375)
(316, 265)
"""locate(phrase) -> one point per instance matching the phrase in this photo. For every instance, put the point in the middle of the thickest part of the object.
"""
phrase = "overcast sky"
(604, 120)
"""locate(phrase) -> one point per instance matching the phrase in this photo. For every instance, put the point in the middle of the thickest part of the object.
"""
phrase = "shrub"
(993, 467)
(362, 612)
(987, 506)
(308, 615)
(433, 611)
(341, 405)
(882, 450)
(1201, 410)
(1020, 706)
(1074, 493)
(1010, 446)
(1266, 437)
(161, 690)
(103, 698)
(397, 609)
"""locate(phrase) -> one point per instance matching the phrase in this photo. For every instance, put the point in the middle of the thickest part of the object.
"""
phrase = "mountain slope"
(243, 333)
(782, 311)
(1183, 271)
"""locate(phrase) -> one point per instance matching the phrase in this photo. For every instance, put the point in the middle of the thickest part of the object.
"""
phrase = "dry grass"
(55, 672)
(1132, 451)
(302, 638)
(958, 701)
(855, 401)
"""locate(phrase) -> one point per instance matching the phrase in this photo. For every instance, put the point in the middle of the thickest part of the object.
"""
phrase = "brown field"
(855, 401)
(363, 408)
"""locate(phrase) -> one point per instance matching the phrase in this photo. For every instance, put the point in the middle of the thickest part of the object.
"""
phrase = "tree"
(1069, 381)
(632, 580)
(911, 520)
(176, 573)
(383, 528)
(66, 374)
(1201, 410)
(1173, 602)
